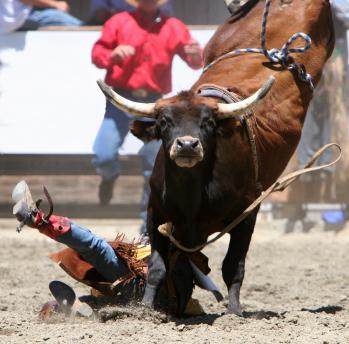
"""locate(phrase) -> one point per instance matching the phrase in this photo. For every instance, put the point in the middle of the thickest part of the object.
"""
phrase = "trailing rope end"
(165, 229)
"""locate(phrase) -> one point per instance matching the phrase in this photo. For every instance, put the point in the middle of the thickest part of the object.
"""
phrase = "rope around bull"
(280, 56)
(281, 184)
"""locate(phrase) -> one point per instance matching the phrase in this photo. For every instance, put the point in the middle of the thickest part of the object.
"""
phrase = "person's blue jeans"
(110, 138)
(49, 17)
(95, 251)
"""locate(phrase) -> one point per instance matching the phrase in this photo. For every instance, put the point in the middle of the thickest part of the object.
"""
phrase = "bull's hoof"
(235, 310)
(147, 303)
(149, 296)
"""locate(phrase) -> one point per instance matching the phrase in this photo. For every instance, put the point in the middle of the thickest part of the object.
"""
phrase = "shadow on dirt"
(207, 319)
(330, 309)
(262, 314)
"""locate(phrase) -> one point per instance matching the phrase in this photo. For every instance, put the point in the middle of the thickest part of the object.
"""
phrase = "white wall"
(49, 100)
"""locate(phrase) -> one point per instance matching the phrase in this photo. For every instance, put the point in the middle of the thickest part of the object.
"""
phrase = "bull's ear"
(145, 131)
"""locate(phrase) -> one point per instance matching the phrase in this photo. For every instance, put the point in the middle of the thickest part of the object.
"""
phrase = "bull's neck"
(184, 174)
(185, 186)
(184, 194)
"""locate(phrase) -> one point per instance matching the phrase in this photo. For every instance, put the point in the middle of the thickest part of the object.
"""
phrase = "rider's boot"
(28, 213)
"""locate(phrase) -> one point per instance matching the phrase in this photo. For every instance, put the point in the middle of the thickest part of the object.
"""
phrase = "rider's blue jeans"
(95, 251)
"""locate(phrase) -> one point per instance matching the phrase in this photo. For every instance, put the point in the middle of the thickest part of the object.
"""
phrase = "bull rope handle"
(280, 185)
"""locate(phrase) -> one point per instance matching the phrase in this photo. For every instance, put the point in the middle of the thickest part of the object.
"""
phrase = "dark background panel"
(192, 12)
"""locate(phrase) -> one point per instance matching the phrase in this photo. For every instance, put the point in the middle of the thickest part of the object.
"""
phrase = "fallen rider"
(108, 267)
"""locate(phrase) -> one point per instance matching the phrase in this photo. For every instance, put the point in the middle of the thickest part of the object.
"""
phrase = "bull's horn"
(238, 108)
(133, 108)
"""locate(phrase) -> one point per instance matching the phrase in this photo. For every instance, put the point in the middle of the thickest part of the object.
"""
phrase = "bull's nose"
(192, 143)
(186, 151)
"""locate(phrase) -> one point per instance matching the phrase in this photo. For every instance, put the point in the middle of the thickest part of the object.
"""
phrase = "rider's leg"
(90, 247)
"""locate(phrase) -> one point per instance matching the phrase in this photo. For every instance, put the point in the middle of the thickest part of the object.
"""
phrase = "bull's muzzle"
(186, 151)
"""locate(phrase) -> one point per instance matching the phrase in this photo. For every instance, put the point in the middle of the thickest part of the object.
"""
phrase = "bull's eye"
(208, 123)
(211, 123)
(163, 123)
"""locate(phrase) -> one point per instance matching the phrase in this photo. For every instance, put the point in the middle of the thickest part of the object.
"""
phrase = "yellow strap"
(143, 251)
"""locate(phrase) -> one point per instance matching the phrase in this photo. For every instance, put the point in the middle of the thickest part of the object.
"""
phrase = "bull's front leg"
(233, 268)
(156, 266)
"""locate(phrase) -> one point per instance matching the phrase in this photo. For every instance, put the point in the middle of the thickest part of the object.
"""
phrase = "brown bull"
(214, 162)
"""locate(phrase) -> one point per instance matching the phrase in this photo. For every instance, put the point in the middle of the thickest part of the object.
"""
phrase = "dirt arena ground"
(296, 291)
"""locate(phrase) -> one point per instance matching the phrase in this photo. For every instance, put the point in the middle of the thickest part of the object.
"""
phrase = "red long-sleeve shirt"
(155, 43)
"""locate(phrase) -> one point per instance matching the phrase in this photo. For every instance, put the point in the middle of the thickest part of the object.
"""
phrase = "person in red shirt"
(137, 49)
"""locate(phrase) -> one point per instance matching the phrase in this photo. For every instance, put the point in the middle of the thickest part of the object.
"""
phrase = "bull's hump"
(243, 31)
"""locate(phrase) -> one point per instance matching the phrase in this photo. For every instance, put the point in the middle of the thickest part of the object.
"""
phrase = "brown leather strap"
(252, 138)
(212, 90)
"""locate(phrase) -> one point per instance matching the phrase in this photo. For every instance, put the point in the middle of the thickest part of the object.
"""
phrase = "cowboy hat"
(136, 2)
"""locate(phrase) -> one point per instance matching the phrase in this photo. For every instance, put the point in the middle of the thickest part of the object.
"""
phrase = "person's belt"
(141, 93)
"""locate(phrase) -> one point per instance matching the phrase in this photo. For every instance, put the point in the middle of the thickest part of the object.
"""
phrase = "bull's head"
(186, 124)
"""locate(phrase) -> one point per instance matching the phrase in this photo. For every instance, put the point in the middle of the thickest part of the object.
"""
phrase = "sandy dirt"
(295, 291)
